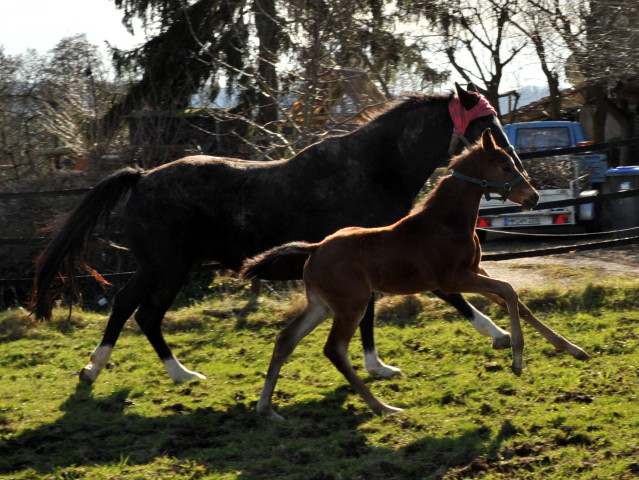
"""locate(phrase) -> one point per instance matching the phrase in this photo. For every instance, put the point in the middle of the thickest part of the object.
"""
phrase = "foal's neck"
(453, 202)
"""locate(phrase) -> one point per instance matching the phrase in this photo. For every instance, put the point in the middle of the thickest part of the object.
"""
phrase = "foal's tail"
(264, 263)
(67, 250)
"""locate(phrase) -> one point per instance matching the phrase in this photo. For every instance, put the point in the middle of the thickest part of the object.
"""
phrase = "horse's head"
(490, 167)
(472, 114)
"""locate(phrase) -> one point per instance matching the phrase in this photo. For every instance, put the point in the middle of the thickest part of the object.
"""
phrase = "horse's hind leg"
(150, 315)
(124, 304)
(373, 364)
(313, 314)
(481, 323)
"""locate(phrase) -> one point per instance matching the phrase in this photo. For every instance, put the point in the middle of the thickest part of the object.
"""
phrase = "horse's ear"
(468, 98)
(487, 141)
(472, 87)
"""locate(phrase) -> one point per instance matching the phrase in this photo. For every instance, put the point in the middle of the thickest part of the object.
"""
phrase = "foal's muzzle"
(531, 201)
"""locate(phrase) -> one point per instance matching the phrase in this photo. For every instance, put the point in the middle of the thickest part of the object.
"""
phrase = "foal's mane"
(419, 206)
(463, 155)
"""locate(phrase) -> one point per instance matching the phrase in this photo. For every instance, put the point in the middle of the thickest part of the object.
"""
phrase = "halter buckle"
(484, 184)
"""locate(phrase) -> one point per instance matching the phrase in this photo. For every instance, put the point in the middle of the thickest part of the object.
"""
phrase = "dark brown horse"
(217, 209)
(434, 248)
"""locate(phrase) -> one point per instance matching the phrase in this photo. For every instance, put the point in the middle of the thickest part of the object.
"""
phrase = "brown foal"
(434, 248)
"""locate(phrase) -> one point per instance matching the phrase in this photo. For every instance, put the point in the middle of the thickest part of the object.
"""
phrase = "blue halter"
(485, 184)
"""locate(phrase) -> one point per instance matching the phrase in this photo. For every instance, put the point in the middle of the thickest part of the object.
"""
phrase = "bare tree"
(532, 22)
(267, 50)
(478, 41)
(602, 38)
(49, 104)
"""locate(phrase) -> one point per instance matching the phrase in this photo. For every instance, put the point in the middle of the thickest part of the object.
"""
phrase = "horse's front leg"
(373, 364)
(484, 325)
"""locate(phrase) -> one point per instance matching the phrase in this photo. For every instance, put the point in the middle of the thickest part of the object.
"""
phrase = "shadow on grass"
(321, 440)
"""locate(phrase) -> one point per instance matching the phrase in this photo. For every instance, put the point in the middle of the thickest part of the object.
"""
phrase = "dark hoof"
(502, 342)
(84, 377)
(582, 356)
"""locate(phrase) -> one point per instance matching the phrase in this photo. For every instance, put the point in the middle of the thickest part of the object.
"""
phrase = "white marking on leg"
(99, 359)
(486, 327)
(178, 372)
(377, 368)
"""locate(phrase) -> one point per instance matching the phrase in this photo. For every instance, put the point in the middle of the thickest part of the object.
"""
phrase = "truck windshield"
(541, 138)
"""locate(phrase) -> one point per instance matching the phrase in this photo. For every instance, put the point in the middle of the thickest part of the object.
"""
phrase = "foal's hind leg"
(481, 323)
(336, 349)
(373, 364)
(313, 314)
(124, 304)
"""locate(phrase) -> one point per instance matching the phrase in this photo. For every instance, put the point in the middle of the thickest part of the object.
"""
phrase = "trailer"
(559, 177)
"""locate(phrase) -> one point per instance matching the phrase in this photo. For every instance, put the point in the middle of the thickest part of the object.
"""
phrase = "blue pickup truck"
(555, 177)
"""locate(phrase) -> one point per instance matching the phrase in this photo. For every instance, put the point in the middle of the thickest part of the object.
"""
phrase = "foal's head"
(490, 167)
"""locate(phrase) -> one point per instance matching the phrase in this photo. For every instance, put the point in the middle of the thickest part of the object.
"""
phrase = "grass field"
(466, 415)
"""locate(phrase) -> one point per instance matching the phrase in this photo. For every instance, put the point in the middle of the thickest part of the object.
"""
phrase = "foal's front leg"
(556, 340)
(479, 283)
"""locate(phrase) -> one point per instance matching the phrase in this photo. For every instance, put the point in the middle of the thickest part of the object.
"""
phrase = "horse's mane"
(404, 104)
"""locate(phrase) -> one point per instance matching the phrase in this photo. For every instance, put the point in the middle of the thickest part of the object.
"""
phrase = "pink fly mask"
(462, 117)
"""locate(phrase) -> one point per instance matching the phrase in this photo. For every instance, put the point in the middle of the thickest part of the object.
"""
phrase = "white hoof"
(376, 368)
(89, 374)
(265, 409)
(99, 359)
(179, 373)
(384, 409)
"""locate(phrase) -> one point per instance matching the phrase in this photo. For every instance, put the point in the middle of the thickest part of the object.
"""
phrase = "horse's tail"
(263, 264)
(67, 250)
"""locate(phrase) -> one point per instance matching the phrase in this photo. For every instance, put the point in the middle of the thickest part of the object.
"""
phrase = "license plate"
(521, 221)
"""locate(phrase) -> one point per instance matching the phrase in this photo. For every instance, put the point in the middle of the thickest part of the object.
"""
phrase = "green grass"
(466, 415)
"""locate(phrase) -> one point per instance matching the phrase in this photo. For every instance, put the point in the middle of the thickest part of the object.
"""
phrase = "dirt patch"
(561, 270)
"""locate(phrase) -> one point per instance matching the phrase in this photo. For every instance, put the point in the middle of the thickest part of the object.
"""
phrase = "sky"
(41, 24)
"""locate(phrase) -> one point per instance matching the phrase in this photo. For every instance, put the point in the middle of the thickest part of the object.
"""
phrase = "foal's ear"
(487, 141)
(468, 98)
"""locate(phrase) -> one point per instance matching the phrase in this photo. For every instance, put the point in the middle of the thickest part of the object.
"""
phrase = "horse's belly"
(403, 279)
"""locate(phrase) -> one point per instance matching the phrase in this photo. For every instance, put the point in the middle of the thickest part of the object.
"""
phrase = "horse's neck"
(419, 145)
